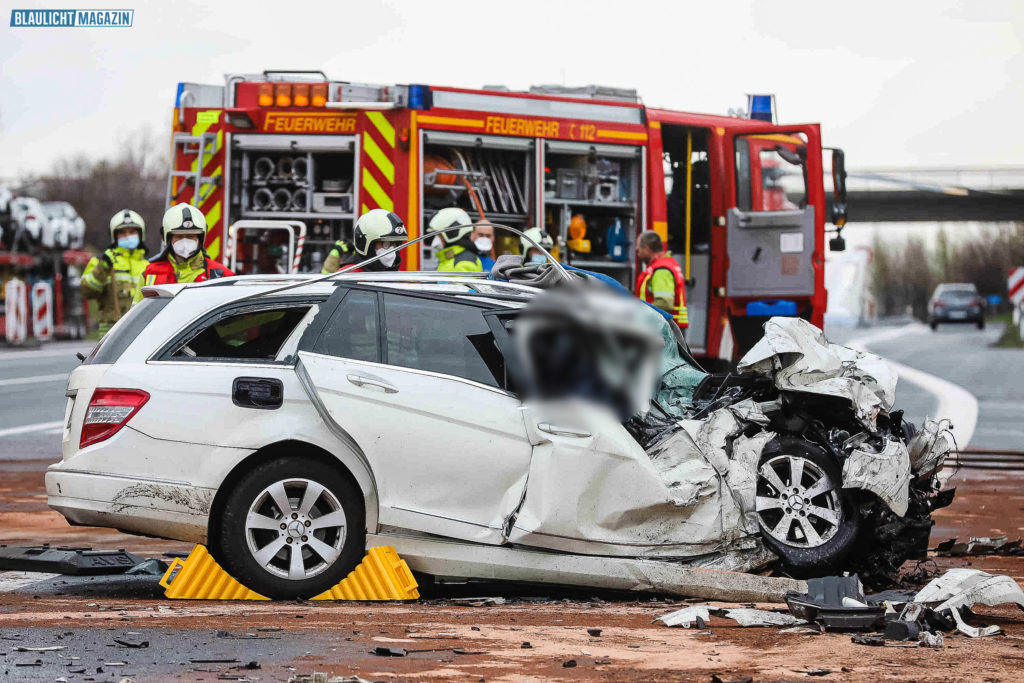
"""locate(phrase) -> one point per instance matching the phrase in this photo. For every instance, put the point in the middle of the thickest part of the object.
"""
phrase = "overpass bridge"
(934, 194)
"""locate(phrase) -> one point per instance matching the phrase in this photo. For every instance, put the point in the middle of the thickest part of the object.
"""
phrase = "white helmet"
(447, 218)
(378, 225)
(538, 235)
(184, 219)
(126, 218)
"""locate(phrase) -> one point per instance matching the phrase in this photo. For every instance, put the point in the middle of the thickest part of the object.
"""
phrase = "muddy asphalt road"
(448, 641)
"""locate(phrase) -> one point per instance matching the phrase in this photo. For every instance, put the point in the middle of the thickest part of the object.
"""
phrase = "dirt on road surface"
(541, 633)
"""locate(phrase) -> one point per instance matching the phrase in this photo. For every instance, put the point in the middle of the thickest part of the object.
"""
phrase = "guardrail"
(987, 459)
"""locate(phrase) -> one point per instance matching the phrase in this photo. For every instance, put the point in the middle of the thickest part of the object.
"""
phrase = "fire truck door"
(770, 227)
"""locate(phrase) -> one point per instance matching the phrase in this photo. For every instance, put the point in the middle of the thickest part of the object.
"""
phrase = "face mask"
(185, 248)
(538, 258)
(483, 244)
(131, 242)
(436, 244)
(387, 260)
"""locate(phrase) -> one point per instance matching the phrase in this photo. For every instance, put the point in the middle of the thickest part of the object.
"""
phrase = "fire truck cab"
(282, 163)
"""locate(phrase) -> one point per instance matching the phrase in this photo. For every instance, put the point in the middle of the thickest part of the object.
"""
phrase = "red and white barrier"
(42, 311)
(16, 316)
(1015, 286)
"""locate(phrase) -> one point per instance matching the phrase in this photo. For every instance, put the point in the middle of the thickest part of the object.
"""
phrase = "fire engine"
(282, 163)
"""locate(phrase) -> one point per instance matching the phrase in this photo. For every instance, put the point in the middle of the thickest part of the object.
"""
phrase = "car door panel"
(450, 456)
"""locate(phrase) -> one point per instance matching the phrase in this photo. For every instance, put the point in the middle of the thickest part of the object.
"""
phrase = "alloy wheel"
(797, 503)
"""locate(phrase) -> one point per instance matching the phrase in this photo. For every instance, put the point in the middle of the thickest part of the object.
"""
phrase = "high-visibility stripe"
(382, 125)
(371, 185)
(621, 135)
(205, 194)
(213, 215)
(214, 249)
(449, 121)
(364, 209)
(205, 119)
(384, 165)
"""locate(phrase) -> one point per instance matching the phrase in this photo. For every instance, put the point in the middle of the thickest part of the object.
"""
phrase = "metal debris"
(746, 616)
(967, 587)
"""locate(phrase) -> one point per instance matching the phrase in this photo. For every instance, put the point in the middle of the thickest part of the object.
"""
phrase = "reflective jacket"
(127, 266)
(341, 255)
(166, 269)
(651, 285)
(459, 257)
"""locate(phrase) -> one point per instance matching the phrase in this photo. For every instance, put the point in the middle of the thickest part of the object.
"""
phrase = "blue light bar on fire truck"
(761, 107)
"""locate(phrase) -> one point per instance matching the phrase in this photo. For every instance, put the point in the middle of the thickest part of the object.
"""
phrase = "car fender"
(885, 474)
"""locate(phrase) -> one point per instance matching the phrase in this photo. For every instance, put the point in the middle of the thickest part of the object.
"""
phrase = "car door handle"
(563, 431)
(361, 381)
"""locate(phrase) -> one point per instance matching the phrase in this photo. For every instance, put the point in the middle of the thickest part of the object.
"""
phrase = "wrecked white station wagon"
(486, 428)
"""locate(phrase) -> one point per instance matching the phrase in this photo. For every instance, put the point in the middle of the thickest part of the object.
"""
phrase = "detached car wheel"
(805, 515)
(292, 528)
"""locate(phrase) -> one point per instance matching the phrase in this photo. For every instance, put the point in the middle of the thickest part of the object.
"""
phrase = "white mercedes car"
(486, 429)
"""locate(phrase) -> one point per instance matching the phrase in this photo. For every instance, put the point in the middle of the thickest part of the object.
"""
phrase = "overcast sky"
(896, 83)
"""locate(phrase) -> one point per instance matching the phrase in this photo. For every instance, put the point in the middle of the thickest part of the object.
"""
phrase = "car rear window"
(436, 336)
(126, 330)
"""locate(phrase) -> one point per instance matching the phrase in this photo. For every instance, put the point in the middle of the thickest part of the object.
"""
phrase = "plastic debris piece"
(966, 587)
(390, 651)
(876, 641)
(929, 639)
(972, 631)
(132, 644)
(152, 566)
(478, 602)
(802, 631)
(686, 617)
(746, 616)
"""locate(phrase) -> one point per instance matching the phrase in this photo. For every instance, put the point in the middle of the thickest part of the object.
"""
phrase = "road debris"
(131, 643)
(746, 616)
(837, 603)
(50, 648)
(962, 587)
(478, 602)
(688, 616)
(389, 651)
(595, 632)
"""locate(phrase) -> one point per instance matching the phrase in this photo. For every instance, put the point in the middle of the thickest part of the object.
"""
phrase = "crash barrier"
(382, 575)
(16, 312)
(986, 459)
(42, 311)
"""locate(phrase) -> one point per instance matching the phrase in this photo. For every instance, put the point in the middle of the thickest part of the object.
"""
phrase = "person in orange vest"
(662, 282)
(182, 258)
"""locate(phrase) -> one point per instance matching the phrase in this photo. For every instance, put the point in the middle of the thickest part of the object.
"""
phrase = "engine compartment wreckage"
(799, 460)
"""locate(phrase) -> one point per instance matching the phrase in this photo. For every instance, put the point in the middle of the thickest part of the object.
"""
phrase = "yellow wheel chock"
(382, 575)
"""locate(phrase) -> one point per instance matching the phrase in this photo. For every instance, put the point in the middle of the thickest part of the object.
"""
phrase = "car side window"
(352, 330)
(441, 337)
(247, 335)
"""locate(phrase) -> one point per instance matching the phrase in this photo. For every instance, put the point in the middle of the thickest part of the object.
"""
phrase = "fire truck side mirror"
(838, 188)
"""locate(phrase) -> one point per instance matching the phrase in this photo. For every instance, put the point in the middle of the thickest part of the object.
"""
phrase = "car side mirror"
(838, 188)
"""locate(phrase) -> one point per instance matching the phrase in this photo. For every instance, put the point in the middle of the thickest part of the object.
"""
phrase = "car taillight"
(108, 411)
(939, 304)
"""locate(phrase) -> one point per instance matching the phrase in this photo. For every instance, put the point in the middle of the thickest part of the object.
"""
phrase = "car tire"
(811, 524)
(250, 528)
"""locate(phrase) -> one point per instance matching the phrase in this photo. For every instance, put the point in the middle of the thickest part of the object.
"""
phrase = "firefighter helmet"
(452, 224)
(378, 225)
(538, 235)
(184, 219)
(126, 218)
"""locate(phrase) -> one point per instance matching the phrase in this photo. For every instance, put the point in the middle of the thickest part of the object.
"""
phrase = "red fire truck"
(282, 163)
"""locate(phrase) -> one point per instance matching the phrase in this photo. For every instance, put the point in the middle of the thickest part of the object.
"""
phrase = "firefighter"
(110, 277)
(183, 258)
(483, 240)
(341, 255)
(378, 230)
(662, 282)
(532, 254)
(454, 231)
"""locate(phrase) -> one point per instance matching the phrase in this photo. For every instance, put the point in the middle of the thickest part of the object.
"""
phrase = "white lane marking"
(63, 376)
(12, 581)
(28, 429)
(955, 402)
(66, 351)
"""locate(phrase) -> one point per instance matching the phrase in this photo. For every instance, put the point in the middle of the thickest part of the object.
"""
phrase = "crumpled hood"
(799, 358)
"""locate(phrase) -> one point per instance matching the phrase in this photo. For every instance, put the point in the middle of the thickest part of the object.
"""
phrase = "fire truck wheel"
(292, 528)
(805, 514)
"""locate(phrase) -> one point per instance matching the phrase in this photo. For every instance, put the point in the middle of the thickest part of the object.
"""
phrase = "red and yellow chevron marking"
(377, 181)
(209, 198)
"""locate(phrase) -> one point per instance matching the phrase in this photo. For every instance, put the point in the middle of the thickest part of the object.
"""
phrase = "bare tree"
(135, 178)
